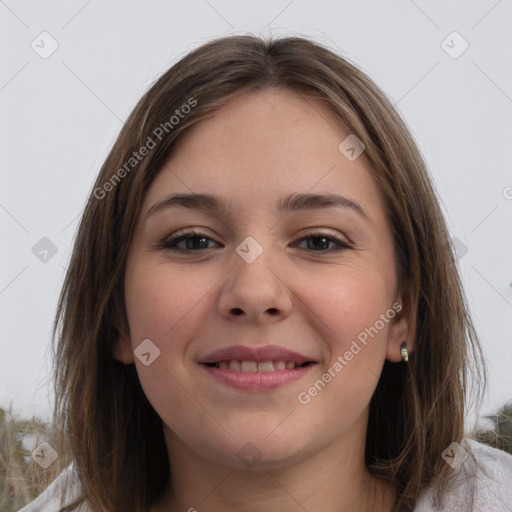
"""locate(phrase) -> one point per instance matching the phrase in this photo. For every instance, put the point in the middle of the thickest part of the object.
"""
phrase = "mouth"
(256, 369)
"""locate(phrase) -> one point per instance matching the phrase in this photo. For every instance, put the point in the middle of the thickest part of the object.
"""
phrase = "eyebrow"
(209, 203)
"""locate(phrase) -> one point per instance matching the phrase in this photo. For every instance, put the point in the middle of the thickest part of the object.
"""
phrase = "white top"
(492, 486)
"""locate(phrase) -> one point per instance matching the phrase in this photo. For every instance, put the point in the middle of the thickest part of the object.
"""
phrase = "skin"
(297, 294)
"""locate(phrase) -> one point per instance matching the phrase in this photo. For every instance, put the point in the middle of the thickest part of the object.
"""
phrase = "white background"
(60, 116)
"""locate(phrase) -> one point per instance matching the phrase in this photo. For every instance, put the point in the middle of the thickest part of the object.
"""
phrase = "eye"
(193, 241)
(321, 242)
(197, 241)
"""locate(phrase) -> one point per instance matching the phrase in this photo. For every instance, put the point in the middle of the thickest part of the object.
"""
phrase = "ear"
(402, 328)
(122, 350)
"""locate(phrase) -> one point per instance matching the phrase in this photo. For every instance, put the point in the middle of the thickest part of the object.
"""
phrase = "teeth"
(280, 365)
(249, 366)
(254, 366)
(234, 365)
(265, 366)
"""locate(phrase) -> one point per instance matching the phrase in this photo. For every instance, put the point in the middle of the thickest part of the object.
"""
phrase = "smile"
(255, 366)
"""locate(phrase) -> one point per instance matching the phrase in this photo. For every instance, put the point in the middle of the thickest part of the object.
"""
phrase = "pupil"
(324, 242)
(194, 242)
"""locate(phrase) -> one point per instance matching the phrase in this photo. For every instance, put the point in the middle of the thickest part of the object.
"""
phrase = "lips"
(256, 369)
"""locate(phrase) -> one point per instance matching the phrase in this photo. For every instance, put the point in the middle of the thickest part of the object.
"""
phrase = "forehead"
(261, 146)
(265, 127)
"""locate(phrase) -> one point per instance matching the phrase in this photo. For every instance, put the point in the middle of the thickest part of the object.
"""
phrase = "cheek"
(346, 304)
(164, 305)
(352, 312)
(159, 299)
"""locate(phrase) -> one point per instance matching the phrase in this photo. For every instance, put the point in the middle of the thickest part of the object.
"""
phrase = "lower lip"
(254, 381)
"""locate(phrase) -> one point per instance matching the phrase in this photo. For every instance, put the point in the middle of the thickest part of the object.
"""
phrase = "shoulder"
(54, 496)
(482, 481)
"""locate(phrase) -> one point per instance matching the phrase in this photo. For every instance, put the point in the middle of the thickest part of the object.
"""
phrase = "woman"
(262, 310)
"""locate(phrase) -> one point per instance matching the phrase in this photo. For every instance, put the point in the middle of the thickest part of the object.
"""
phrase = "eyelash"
(171, 243)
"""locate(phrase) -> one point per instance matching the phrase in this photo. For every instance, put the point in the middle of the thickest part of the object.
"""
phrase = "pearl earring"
(404, 352)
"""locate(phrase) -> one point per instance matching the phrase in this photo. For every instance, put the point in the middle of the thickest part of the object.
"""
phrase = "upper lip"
(242, 353)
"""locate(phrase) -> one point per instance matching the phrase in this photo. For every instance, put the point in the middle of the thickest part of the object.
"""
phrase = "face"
(267, 280)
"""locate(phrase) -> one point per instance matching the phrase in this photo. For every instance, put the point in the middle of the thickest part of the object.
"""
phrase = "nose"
(256, 292)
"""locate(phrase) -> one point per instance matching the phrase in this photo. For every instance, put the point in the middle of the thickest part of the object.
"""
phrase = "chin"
(265, 448)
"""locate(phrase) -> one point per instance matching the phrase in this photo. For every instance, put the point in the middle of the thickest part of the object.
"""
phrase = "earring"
(404, 352)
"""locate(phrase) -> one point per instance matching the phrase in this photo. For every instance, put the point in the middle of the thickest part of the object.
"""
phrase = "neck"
(334, 479)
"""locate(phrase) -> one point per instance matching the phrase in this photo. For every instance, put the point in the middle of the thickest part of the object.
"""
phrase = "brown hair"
(114, 435)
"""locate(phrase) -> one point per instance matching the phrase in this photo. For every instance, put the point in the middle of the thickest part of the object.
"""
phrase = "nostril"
(237, 311)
